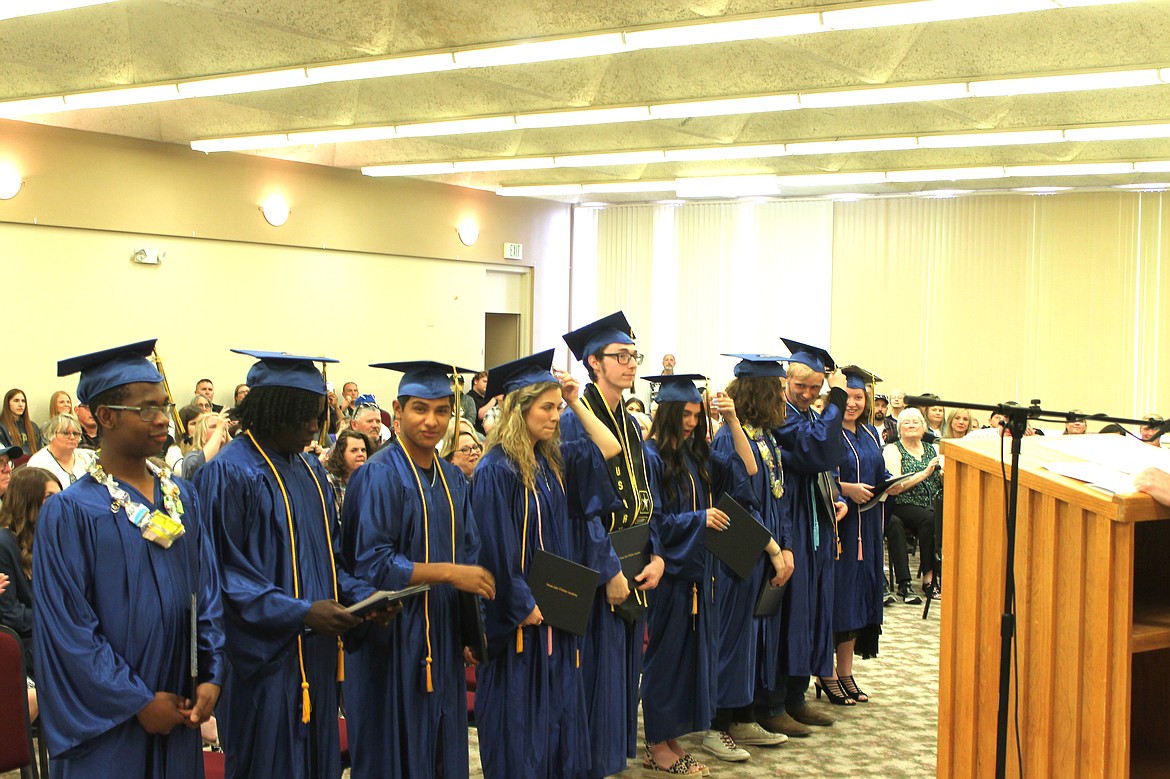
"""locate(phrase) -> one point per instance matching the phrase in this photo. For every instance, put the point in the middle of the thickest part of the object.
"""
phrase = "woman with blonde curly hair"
(521, 495)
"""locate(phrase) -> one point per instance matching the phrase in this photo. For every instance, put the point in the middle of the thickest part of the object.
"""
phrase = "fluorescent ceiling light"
(246, 143)
(1123, 133)
(582, 117)
(249, 82)
(1041, 190)
(617, 187)
(943, 193)
(725, 106)
(1156, 187)
(16, 8)
(726, 186)
(845, 98)
(342, 135)
(31, 107)
(892, 15)
(1158, 166)
(721, 153)
(832, 179)
(946, 174)
(521, 163)
(848, 197)
(615, 158)
(540, 191)
(384, 68)
(542, 51)
(417, 169)
(1074, 169)
(853, 145)
(975, 140)
(700, 33)
(487, 124)
(110, 98)
(1073, 82)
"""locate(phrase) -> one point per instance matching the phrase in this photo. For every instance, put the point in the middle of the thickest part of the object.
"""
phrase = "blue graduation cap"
(111, 368)
(365, 400)
(613, 329)
(281, 369)
(859, 378)
(511, 376)
(424, 379)
(678, 387)
(812, 356)
(758, 366)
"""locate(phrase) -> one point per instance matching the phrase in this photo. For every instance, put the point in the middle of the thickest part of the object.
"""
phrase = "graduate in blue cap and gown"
(812, 449)
(123, 573)
(860, 576)
(270, 510)
(680, 669)
(407, 520)
(746, 639)
(611, 652)
(529, 698)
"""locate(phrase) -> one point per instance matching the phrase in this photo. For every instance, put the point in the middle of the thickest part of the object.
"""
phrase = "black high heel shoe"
(834, 692)
(852, 690)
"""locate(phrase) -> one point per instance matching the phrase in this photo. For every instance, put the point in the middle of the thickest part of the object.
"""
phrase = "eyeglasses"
(624, 358)
(466, 450)
(69, 433)
(148, 413)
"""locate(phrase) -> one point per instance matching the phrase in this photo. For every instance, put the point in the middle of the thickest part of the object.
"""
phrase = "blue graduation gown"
(680, 669)
(810, 444)
(857, 597)
(611, 650)
(529, 699)
(744, 638)
(112, 627)
(396, 727)
(260, 710)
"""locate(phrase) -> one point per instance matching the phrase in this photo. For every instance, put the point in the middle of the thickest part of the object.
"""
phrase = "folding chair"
(15, 751)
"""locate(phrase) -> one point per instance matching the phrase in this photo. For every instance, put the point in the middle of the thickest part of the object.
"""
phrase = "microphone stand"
(1016, 423)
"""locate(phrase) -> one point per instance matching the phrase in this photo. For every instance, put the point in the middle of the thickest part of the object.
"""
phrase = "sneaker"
(752, 734)
(907, 595)
(720, 744)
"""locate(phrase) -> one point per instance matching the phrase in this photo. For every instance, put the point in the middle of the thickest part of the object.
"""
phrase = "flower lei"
(767, 448)
(160, 528)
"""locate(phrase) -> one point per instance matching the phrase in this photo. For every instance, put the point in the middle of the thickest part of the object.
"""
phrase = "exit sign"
(513, 251)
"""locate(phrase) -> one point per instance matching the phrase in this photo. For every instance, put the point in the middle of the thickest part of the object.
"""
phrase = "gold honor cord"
(695, 508)
(179, 431)
(427, 552)
(523, 551)
(306, 704)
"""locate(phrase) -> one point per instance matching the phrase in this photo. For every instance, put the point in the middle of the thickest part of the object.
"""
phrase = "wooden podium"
(1092, 675)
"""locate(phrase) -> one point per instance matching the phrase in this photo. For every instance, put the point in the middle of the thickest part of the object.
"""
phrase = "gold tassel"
(694, 599)
(519, 641)
(430, 682)
(578, 658)
(340, 661)
(306, 704)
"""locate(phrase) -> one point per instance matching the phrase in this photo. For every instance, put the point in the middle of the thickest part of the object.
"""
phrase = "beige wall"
(365, 270)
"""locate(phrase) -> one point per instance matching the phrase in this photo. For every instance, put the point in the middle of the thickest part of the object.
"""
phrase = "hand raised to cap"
(836, 379)
(725, 406)
(570, 387)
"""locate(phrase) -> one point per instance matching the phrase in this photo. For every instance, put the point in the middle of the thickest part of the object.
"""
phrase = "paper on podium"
(1108, 462)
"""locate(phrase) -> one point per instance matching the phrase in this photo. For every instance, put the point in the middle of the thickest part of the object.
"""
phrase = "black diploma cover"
(563, 590)
(740, 545)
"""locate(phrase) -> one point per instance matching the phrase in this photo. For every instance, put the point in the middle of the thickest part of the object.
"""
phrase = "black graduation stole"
(630, 479)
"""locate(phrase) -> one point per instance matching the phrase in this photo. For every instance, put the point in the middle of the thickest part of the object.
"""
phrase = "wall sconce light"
(10, 181)
(468, 232)
(275, 210)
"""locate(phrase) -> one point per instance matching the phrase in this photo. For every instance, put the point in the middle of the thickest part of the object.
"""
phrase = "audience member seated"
(176, 449)
(61, 455)
(368, 421)
(482, 403)
(959, 422)
(206, 389)
(1151, 432)
(885, 424)
(18, 521)
(7, 455)
(1075, 426)
(349, 394)
(913, 508)
(818, 405)
(464, 452)
(349, 452)
(209, 435)
(60, 403)
(203, 404)
(935, 416)
(637, 410)
(240, 393)
(90, 435)
(468, 408)
(16, 426)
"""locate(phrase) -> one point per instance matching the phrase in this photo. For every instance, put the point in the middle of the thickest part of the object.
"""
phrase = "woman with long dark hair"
(682, 657)
(749, 641)
(349, 452)
(16, 426)
(18, 522)
(529, 699)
